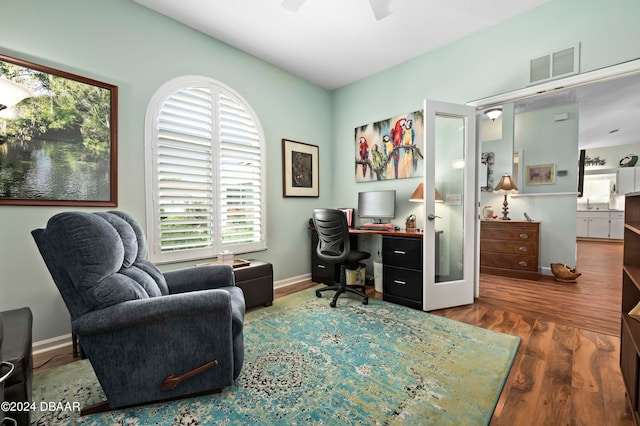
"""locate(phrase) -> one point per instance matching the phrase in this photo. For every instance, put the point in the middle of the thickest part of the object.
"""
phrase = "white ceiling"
(335, 42)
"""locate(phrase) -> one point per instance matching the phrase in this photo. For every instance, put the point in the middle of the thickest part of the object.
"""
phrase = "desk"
(402, 264)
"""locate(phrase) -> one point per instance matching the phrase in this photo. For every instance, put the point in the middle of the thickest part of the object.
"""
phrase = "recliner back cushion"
(101, 255)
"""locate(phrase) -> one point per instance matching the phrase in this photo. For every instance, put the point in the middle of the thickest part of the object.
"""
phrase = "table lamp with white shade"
(505, 186)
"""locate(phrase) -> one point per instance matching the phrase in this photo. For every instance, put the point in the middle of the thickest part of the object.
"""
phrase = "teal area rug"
(307, 363)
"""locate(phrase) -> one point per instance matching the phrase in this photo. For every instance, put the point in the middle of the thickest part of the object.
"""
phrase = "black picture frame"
(300, 169)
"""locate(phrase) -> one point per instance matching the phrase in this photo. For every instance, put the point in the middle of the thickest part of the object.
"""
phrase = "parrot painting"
(396, 137)
(364, 154)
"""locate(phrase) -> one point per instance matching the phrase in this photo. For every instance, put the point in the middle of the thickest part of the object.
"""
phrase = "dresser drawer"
(509, 261)
(402, 282)
(403, 252)
(509, 233)
(524, 246)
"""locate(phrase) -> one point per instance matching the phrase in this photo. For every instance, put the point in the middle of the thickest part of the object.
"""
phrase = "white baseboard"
(291, 281)
(52, 344)
(545, 271)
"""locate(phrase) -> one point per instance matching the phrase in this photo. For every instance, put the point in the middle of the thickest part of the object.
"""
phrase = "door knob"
(432, 217)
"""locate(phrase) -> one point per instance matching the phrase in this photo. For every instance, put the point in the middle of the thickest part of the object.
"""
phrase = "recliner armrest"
(199, 278)
(170, 309)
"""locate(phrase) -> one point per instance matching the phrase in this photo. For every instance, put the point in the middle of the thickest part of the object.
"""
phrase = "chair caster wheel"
(365, 301)
(318, 294)
(332, 304)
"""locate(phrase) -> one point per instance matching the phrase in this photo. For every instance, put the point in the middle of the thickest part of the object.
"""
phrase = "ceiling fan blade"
(381, 8)
(292, 5)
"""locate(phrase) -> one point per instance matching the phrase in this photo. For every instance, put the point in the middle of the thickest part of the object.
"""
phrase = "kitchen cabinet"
(626, 181)
(600, 224)
(616, 230)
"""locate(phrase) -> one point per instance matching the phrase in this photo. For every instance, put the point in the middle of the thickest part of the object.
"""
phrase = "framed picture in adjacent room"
(300, 170)
(58, 136)
(541, 174)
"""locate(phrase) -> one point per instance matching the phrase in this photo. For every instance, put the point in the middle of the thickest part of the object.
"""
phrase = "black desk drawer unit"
(402, 271)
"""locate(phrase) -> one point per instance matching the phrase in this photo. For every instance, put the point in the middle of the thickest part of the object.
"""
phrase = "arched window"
(205, 157)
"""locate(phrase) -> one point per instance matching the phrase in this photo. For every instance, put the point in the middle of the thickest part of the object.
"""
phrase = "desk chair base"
(342, 287)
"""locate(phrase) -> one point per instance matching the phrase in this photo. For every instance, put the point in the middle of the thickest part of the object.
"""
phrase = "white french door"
(449, 228)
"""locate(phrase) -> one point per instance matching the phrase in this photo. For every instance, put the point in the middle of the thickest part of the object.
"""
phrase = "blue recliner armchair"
(149, 336)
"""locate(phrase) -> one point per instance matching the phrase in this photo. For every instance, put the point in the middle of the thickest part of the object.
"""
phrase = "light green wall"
(546, 141)
(490, 62)
(122, 43)
(125, 44)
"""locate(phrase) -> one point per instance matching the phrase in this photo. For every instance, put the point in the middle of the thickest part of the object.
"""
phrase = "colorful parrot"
(388, 149)
(364, 154)
(396, 136)
(408, 141)
(378, 160)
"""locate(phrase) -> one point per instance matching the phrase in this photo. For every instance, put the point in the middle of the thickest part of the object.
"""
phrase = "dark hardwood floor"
(566, 371)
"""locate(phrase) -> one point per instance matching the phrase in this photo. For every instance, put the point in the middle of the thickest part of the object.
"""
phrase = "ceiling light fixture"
(493, 113)
(292, 5)
(380, 8)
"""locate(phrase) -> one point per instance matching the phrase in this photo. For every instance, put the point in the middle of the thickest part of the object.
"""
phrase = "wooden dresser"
(510, 248)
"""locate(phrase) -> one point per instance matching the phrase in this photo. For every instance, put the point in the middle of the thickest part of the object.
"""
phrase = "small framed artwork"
(58, 136)
(541, 174)
(300, 173)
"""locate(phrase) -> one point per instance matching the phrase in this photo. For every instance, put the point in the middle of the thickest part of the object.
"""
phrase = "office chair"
(334, 246)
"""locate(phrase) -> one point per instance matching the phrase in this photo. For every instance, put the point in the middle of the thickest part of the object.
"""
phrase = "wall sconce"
(418, 196)
(506, 185)
(493, 113)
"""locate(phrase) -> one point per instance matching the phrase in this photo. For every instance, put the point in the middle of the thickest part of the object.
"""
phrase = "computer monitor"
(377, 205)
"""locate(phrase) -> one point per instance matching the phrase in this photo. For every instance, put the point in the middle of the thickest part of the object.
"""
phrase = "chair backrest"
(333, 234)
(98, 260)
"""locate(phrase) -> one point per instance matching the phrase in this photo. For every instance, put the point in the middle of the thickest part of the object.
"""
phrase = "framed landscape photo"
(58, 137)
(300, 172)
(541, 174)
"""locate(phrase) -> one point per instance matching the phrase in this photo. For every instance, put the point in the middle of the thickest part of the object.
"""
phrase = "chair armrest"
(199, 278)
(215, 304)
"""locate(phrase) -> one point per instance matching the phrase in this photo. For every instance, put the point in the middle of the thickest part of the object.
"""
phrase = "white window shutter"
(207, 174)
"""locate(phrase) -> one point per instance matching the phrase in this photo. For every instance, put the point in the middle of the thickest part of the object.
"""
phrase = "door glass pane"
(449, 179)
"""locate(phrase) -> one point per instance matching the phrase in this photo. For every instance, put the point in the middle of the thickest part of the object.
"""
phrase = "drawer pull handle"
(522, 263)
(321, 266)
(524, 236)
(400, 282)
(524, 249)
(399, 252)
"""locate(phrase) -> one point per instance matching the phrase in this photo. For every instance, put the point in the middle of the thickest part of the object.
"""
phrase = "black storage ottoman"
(17, 349)
(256, 281)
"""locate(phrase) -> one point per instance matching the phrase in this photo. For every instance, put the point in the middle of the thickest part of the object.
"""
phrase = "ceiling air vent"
(555, 65)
